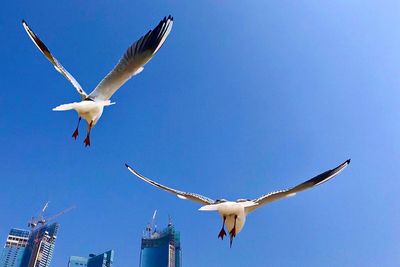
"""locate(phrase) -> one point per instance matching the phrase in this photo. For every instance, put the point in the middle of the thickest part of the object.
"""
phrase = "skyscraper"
(102, 260)
(32, 248)
(14, 249)
(39, 251)
(161, 248)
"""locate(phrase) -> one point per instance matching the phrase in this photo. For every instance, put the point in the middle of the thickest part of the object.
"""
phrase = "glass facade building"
(13, 252)
(161, 248)
(40, 249)
(102, 260)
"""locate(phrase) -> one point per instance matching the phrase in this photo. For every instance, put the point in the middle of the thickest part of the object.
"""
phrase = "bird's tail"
(64, 107)
(107, 103)
(210, 207)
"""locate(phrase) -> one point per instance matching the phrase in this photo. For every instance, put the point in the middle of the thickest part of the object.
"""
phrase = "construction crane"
(36, 245)
(34, 222)
(151, 227)
(153, 219)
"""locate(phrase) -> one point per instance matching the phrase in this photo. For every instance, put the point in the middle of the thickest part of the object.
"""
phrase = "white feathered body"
(229, 210)
(91, 111)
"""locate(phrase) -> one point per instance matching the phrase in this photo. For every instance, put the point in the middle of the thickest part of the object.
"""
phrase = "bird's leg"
(232, 233)
(75, 134)
(222, 233)
(87, 139)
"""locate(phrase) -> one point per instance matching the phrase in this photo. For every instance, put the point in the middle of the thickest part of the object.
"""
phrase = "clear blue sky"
(243, 99)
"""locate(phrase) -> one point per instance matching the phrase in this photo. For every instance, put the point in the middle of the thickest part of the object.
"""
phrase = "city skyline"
(243, 99)
(36, 247)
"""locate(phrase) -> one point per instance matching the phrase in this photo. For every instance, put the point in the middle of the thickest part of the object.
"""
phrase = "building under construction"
(160, 248)
(31, 248)
(40, 249)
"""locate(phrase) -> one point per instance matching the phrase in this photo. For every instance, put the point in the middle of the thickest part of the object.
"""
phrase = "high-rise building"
(39, 251)
(102, 260)
(14, 249)
(161, 248)
(32, 248)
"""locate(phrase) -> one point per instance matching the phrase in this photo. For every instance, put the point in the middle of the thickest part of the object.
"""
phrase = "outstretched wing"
(317, 180)
(57, 65)
(183, 195)
(137, 55)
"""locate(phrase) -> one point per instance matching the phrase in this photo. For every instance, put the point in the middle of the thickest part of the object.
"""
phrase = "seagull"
(132, 62)
(233, 213)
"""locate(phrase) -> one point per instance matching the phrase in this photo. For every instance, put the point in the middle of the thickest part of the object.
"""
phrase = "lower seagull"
(233, 213)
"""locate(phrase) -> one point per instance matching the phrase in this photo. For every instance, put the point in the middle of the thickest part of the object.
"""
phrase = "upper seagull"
(138, 54)
(233, 213)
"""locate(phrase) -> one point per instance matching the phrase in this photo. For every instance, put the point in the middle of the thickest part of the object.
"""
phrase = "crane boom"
(42, 220)
(59, 214)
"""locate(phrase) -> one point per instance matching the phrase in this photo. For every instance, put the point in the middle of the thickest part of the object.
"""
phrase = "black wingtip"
(23, 21)
(348, 161)
(131, 169)
(165, 19)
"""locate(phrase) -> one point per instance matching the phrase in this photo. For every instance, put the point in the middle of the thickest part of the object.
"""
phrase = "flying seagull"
(233, 213)
(132, 62)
